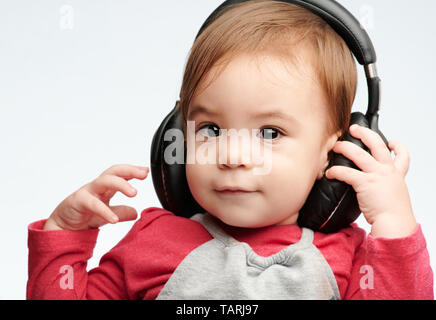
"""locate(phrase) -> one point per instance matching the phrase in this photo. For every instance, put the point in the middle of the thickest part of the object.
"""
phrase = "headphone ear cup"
(169, 179)
(332, 204)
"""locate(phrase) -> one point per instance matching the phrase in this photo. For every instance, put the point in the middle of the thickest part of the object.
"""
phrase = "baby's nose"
(235, 150)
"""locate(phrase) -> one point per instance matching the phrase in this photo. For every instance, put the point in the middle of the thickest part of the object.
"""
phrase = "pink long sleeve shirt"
(138, 267)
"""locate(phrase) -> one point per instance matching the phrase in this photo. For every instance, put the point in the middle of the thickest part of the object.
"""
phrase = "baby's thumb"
(125, 213)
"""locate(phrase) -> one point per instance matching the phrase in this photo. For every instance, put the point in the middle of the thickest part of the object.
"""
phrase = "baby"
(282, 70)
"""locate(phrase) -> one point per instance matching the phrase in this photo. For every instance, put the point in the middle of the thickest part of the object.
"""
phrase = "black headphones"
(331, 204)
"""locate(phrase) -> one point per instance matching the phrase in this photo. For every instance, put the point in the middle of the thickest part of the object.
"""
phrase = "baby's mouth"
(234, 191)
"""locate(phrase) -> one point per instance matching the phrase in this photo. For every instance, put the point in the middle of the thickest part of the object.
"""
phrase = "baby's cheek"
(197, 177)
(191, 175)
(288, 179)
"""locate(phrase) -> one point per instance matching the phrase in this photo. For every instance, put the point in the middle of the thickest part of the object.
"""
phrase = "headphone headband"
(348, 27)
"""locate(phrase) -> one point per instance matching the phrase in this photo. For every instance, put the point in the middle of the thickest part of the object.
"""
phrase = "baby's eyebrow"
(198, 109)
(270, 114)
(275, 114)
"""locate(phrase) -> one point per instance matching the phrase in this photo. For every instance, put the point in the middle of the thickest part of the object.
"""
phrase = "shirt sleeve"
(392, 269)
(136, 268)
(58, 260)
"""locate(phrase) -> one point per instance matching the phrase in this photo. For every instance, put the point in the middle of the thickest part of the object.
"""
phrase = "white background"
(85, 84)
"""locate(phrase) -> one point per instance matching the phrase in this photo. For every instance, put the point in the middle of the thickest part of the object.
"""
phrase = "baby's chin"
(246, 220)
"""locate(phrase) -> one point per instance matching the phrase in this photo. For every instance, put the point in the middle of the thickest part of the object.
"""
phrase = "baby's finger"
(109, 182)
(351, 176)
(127, 171)
(402, 158)
(91, 204)
(125, 213)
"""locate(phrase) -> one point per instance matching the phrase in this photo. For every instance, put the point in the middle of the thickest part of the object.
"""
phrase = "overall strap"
(210, 224)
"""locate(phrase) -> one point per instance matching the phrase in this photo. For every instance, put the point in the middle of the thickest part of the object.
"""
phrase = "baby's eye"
(210, 129)
(270, 133)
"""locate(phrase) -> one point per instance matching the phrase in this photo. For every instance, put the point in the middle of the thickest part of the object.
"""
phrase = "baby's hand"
(89, 207)
(380, 187)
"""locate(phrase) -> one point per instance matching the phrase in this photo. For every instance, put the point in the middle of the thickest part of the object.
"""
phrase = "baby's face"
(294, 142)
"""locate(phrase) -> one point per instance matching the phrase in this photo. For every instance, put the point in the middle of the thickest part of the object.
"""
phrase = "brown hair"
(275, 28)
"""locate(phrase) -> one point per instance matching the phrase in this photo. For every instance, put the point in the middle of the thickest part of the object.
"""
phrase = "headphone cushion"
(169, 180)
(332, 204)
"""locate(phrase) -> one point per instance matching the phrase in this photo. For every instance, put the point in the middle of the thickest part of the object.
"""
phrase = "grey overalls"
(226, 269)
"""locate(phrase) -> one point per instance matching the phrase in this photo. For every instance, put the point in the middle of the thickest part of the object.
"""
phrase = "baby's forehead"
(263, 82)
(268, 65)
